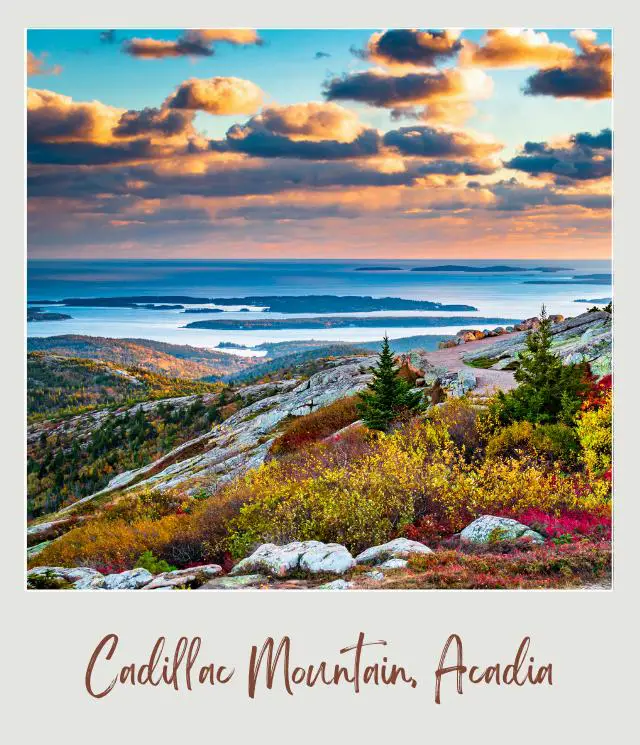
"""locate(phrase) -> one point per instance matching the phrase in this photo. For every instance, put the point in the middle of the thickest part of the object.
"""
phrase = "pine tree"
(388, 396)
(548, 391)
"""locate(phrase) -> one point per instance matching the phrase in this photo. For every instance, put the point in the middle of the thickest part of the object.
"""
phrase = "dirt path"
(488, 380)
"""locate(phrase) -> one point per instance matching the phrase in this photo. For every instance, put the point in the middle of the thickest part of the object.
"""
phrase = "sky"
(377, 143)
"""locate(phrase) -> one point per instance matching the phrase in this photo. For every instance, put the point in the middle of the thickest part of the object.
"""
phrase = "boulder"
(557, 318)
(82, 578)
(488, 528)
(308, 556)
(394, 564)
(132, 579)
(337, 584)
(399, 548)
(242, 582)
(183, 577)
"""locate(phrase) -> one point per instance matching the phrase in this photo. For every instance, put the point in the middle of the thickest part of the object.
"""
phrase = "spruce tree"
(388, 396)
(548, 391)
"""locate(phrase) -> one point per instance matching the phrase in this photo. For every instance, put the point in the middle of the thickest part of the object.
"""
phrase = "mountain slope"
(174, 360)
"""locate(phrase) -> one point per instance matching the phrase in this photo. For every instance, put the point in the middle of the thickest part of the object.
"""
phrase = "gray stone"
(394, 564)
(337, 584)
(82, 578)
(307, 556)
(132, 579)
(242, 582)
(183, 577)
(489, 528)
(399, 548)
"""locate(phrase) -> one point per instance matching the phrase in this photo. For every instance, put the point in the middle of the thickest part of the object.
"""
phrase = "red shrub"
(576, 525)
(597, 391)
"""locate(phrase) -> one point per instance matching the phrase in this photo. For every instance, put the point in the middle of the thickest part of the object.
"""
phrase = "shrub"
(486, 567)
(403, 477)
(557, 443)
(462, 423)
(576, 525)
(152, 564)
(112, 543)
(511, 441)
(594, 428)
(47, 581)
(547, 443)
(316, 426)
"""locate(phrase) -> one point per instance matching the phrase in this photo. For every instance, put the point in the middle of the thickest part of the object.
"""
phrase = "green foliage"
(548, 391)
(63, 467)
(152, 564)
(64, 386)
(47, 581)
(553, 443)
(388, 396)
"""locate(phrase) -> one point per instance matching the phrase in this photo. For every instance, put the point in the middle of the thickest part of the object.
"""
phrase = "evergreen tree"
(548, 391)
(388, 396)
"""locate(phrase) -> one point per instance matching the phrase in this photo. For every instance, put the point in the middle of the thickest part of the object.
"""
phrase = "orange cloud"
(193, 43)
(515, 47)
(39, 66)
(218, 95)
(312, 121)
(586, 75)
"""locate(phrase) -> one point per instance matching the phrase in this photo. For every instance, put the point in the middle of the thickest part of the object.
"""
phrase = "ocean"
(499, 294)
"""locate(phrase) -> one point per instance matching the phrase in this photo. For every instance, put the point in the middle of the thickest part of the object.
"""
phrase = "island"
(488, 269)
(37, 314)
(274, 303)
(585, 279)
(338, 322)
(596, 300)
(379, 269)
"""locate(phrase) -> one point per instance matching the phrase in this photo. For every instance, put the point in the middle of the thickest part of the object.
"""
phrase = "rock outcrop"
(243, 440)
(488, 528)
(312, 557)
(585, 338)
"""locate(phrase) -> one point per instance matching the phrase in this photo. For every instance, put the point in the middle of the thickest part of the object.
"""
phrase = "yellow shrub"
(109, 545)
(405, 475)
(596, 437)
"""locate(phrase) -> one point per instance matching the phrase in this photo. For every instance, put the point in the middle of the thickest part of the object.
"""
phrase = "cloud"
(311, 121)
(219, 95)
(512, 196)
(411, 47)
(321, 55)
(429, 142)
(517, 47)
(193, 43)
(583, 157)
(63, 131)
(38, 65)
(256, 139)
(150, 120)
(386, 90)
(586, 75)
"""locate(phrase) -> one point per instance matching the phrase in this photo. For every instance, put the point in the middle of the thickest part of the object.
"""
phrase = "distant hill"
(60, 386)
(174, 360)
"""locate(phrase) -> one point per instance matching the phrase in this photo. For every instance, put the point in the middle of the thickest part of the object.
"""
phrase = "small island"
(337, 322)
(379, 269)
(37, 314)
(496, 268)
